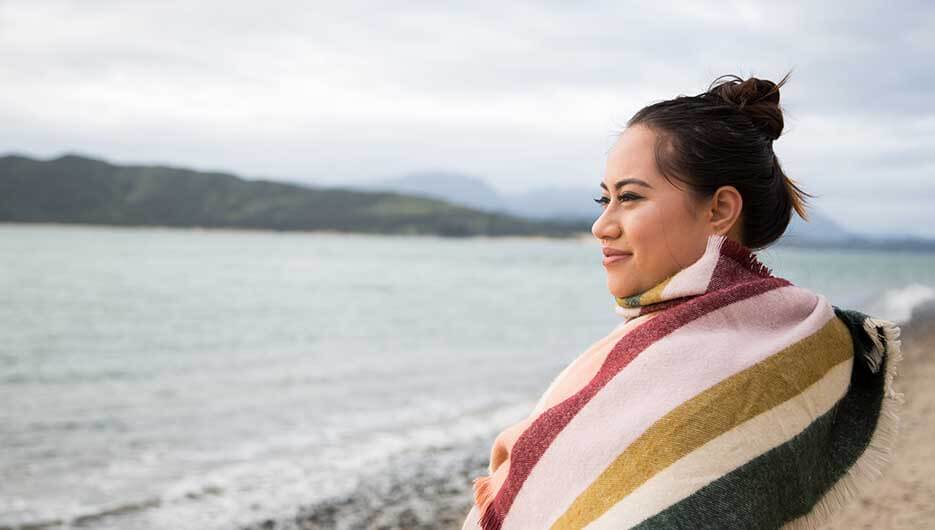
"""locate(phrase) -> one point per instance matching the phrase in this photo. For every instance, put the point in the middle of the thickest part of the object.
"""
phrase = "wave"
(899, 303)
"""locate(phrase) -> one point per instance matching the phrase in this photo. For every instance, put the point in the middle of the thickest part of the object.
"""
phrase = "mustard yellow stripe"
(655, 294)
(716, 410)
(649, 297)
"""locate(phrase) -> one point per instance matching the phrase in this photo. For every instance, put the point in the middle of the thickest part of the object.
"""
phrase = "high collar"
(724, 261)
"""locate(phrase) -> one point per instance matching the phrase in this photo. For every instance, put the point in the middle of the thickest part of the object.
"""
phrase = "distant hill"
(453, 187)
(577, 205)
(568, 204)
(78, 189)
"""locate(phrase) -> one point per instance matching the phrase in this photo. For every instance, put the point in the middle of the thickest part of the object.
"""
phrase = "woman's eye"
(604, 201)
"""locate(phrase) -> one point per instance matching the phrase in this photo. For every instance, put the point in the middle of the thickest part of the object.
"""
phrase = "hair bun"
(757, 98)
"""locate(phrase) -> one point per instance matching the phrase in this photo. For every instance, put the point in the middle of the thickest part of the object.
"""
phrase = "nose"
(605, 227)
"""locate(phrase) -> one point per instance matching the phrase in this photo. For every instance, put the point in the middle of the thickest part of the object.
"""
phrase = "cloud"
(519, 93)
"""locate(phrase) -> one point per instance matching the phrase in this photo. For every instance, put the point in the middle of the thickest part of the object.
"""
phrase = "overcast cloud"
(520, 94)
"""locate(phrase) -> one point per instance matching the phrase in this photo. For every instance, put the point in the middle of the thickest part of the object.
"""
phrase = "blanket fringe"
(483, 496)
(876, 457)
(745, 257)
(491, 520)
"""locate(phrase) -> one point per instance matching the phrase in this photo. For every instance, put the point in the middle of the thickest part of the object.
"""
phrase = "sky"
(523, 95)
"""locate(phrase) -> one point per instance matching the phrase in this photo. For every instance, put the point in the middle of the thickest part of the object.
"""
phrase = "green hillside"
(75, 189)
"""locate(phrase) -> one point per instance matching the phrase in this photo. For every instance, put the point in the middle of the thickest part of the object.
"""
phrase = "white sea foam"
(897, 304)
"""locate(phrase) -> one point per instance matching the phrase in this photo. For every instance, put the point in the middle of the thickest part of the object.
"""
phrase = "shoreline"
(427, 491)
(909, 245)
(577, 236)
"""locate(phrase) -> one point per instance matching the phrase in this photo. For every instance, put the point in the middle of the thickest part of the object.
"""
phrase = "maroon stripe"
(744, 256)
(735, 264)
(532, 443)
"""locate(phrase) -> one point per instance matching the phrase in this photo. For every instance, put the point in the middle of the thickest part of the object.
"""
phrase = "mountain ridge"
(79, 189)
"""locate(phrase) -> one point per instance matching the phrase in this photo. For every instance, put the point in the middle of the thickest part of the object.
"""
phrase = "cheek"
(642, 229)
(663, 236)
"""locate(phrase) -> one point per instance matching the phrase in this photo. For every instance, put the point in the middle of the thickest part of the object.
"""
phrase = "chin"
(621, 288)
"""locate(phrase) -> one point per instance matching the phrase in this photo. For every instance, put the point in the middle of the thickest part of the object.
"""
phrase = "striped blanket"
(745, 402)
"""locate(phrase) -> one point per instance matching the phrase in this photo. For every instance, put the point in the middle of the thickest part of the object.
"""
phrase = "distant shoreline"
(235, 229)
(913, 246)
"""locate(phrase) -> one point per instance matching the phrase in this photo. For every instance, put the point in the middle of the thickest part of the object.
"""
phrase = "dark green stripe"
(784, 483)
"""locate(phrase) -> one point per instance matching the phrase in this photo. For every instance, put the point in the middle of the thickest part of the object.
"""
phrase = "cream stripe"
(666, 374)
(728, 451)
(695, 278)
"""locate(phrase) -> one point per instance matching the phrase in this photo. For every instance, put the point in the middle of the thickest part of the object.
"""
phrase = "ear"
(724, 213)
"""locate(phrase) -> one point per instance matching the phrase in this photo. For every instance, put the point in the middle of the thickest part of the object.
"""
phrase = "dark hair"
(724, 137)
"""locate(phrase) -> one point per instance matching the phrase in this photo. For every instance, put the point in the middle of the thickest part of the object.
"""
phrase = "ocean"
(163, 378)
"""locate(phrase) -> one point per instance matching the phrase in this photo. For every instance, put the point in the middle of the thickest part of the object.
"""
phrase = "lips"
(614, 252)
(613, 255)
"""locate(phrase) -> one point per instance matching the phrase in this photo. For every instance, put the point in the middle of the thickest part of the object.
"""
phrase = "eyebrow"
(624, 182)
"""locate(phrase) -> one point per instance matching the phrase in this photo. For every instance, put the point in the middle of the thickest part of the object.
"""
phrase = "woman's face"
(661, 228)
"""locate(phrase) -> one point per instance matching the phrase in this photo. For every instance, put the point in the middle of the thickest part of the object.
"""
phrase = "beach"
(440, 497)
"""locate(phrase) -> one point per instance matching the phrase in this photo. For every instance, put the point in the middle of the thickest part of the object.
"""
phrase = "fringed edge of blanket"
(876, 457)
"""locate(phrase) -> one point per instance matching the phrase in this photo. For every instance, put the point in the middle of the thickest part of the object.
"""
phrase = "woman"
(728, 398)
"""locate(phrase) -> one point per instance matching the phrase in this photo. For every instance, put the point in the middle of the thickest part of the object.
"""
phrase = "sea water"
(159, 378)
